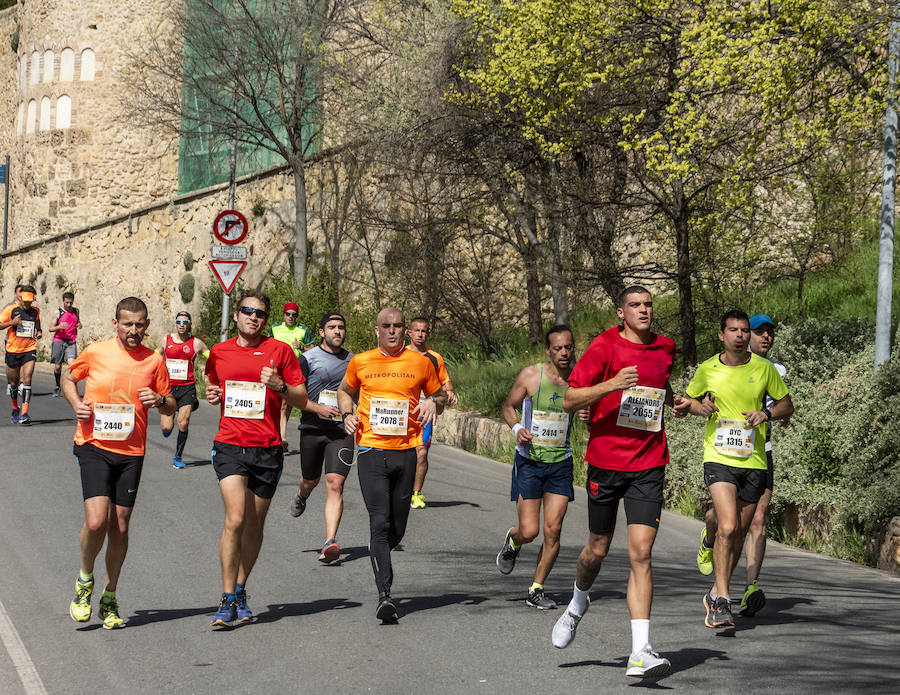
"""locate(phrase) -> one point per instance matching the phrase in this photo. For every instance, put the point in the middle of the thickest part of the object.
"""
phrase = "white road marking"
(28, 674)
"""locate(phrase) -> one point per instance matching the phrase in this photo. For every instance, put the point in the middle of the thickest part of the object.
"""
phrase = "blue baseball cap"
(758, 320)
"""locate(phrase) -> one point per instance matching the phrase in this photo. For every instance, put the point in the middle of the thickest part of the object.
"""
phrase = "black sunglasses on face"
(291, 313)
(249, 311)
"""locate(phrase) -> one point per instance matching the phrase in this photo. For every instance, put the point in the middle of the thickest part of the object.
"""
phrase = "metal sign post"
(4, 178)
(223, 326)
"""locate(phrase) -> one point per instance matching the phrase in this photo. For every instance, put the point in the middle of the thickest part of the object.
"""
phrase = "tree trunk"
(685, 295)
(301, 220)
(533, 294)
(558, 287)
(800, 294)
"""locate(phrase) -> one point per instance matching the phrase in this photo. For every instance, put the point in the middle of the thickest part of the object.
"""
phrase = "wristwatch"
(284, 387)
(767, 414)
(161, 402)
(344, 416)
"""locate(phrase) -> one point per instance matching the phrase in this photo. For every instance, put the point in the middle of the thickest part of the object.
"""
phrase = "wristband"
(344, 416)
(515, 429)
(767, 414)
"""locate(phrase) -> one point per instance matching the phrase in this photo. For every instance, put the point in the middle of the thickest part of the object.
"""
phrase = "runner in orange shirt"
(124, 380)
(22, 319)
(387, 381)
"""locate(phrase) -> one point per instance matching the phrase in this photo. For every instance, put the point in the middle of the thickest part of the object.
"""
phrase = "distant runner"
(323, 441)
(418, 332)
(22, 321)
(181, 350)
(124, 380)
(300, 338)
(65, 334)
(388, 425)
(729, 390)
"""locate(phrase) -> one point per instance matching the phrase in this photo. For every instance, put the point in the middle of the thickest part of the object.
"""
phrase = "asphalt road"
(829, 626)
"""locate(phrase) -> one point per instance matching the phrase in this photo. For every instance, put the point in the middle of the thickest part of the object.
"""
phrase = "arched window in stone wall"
(20, 119)
(63, 112)
(48, 65)
(45, 114)
(87, 65)
(32, 117)
(67, 65)
(35, 67)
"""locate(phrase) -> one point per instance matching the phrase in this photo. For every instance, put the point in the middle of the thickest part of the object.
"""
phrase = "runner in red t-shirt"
(624, 378)
(181, 350)
(249, 377)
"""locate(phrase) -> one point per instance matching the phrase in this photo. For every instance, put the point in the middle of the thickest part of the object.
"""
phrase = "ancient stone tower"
(76, 159)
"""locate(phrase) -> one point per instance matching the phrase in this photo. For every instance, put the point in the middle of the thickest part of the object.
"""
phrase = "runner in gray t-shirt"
(323, 441)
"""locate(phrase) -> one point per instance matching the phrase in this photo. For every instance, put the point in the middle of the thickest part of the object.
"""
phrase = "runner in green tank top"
(542, 472)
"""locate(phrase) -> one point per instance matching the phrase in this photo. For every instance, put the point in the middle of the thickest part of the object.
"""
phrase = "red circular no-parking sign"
(230, 227)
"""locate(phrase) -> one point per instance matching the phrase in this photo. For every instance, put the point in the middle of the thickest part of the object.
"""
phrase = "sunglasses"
(293, 314)
(182, 322)
(250, 311)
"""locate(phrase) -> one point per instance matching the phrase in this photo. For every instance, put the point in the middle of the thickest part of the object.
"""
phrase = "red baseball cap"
(292, 306)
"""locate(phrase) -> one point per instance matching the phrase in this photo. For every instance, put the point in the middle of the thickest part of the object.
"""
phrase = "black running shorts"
(15, 360)
(750, 482)
(108, 474)
(261, 465)
(185, 394)
(332, 450)
(641, 490)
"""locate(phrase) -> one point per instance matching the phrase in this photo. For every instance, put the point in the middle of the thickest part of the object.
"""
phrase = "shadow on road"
(347, 554)
(161, 615)
(277, 611)
(453, 503)
(424, 603)
(53, 421)
(198, 462)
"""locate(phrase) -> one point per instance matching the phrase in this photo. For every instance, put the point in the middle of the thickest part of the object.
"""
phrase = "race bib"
(245, 399)
(389, 416)
(329, 398)
(642, 408)
(178, 369)
(734, 438)
(549, 429)
(113, 422)
(25, 329)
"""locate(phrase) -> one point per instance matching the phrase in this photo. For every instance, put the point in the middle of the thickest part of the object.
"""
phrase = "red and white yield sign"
(230, 227)
(227, 272)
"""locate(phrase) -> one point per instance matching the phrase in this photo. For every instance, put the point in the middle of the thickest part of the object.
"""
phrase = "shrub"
(186, 288)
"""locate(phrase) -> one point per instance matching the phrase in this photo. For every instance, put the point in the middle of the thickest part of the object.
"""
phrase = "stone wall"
(472, 432)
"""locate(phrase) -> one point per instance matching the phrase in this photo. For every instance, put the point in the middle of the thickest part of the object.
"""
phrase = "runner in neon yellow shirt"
(728, 389)
(300, 338)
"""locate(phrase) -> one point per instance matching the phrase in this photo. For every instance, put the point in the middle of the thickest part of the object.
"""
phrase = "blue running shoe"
(14, 416)
(25, 419)
(164, 433)
(177, 462)
(244, 614)
(226, 614)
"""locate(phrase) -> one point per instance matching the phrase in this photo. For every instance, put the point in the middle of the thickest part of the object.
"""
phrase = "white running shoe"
(564, 629)
(647, 664)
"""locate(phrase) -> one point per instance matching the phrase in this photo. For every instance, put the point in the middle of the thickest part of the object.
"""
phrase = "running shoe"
(386, 611)
(753, 600)
(56, 393)
(647, 663)
(417, 501)
(109, 613)
(506, 558)
(330, 551)
(718, 612)
(80, 608)
(538, 599)
(177, 462)
(24, 419)
(165, 433)
(226, 614)
(298, 505)
(244, 614)
(14, 416)
(704, 555)
(564, 629)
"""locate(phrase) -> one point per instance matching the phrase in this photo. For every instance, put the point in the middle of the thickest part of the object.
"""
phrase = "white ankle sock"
(579, 602)
(640, 635)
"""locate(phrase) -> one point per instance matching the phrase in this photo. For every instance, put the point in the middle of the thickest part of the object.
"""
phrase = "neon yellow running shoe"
(109, 613)
(417, 501)
(80, 608)
(704, 555)
(753, 600)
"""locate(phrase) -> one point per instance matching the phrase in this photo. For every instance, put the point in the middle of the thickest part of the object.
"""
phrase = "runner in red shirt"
(249, 377)
(123, 379)
(181, 350)
(624, 378)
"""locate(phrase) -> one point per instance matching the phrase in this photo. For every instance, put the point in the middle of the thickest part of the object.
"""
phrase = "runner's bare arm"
(161, 348)
(524, 386)
(152, 399)
(577, 398)
(83, 410)
(701, 407)
(345, 398)
(294, 395)
(782, 408)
